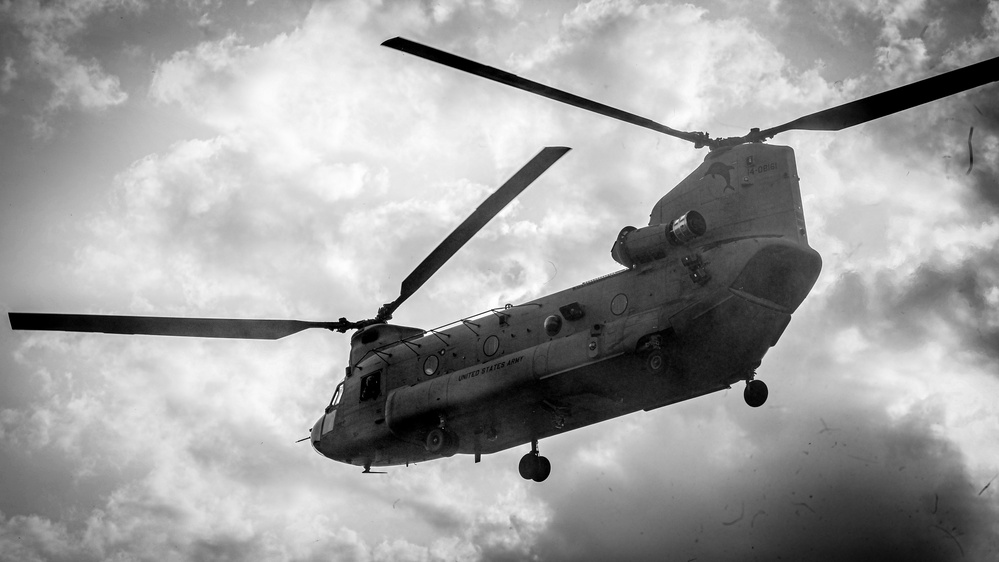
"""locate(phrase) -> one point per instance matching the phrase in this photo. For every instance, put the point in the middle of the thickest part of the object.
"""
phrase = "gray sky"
(269, 159)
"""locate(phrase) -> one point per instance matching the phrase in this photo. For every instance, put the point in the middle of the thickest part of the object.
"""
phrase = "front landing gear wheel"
(655, 361)
(756, 393)
(535, 467)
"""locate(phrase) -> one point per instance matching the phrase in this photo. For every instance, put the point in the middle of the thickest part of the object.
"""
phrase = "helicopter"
(705, 290)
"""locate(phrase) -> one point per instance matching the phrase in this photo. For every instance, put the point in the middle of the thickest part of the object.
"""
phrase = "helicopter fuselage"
(710, 286)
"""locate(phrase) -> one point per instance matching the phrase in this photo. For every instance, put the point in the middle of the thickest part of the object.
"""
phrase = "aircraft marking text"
(494, 367)
(763, 168)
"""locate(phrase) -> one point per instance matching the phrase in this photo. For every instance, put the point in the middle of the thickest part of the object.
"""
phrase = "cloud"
(214, 203)
(937, 299)
(32, 538)
(48, 31)
(936, 136)
(8, 76)
(198, 72)
(866, 489)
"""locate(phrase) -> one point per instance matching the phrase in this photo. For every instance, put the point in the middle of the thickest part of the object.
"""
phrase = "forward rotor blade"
(503, 77)
(482, 215)
(166, 326)
(893, 101)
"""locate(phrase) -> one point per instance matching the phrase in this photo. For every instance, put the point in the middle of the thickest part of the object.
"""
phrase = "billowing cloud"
(48, 31)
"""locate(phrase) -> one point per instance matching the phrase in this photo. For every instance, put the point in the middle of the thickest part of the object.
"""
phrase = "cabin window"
(619, 304)
(552, 325)
(572, 311)
(490, 346)
(371, 386)
(430, 365)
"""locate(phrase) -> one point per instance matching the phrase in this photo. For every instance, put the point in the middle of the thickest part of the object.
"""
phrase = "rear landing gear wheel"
(756, 393)
(533, 466)
(527, 466)
(542, 468)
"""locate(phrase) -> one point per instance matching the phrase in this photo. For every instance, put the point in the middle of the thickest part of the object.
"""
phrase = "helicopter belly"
(620, 385)
(575, 399)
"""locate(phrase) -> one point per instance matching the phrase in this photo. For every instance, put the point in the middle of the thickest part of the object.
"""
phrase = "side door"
(371, 398)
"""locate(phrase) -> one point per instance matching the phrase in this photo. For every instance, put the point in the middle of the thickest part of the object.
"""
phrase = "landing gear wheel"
(756, 393)
(436, 440)
(655, 361)
(441, 442)
(535, 467)
(542, 468)
(528, 466)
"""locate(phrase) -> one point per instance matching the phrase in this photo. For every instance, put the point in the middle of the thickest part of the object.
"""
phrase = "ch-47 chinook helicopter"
(707, 288)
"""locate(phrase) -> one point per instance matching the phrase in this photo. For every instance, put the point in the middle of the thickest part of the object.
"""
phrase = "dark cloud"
(848, 300)
(957, 296)
(867, 489)
(942, 24)
(985, 185)
(225, 548)
(937, 299)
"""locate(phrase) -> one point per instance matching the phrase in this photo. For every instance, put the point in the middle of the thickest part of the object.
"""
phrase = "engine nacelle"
(690, 225)
(636, 246)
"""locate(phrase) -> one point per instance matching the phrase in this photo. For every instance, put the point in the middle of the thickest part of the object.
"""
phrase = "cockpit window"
(371, 386)
(336, 395)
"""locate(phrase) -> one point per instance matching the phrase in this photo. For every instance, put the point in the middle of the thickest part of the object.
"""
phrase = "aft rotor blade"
(482, 215)
(503, 77)
(166, 326)
(893, 101)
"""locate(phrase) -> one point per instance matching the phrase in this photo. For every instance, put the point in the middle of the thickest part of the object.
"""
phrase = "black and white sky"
(269, 159)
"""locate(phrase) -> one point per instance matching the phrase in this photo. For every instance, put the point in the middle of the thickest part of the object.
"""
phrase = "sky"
(268, 159)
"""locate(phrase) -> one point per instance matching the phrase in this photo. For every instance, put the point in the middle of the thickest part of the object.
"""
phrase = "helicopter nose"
(317, 433)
